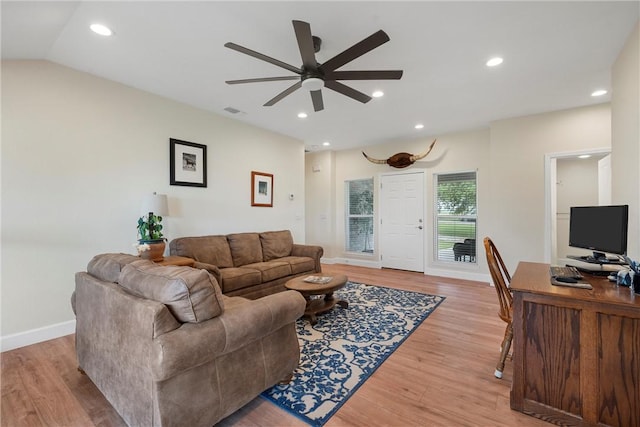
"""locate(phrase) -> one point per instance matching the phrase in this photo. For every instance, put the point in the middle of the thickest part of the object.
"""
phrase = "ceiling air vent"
(232, 110)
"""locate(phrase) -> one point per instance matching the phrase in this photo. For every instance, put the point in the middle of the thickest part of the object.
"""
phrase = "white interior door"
(402, 220)
(604, 181)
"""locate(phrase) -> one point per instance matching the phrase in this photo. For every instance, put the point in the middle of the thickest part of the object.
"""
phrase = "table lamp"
(155, 204)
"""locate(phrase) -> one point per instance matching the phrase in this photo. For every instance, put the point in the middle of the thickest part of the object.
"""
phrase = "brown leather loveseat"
(166, 348)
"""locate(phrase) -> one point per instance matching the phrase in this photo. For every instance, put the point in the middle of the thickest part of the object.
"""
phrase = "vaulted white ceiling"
(555, 54)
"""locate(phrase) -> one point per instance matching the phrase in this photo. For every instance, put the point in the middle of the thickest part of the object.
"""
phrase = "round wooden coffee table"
(309, 290)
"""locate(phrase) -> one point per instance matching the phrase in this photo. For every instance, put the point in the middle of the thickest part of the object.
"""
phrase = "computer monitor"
(602, 229)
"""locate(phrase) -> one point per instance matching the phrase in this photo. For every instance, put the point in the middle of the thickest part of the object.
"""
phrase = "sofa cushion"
(212, 250)
(107, 267)
(245, 248)
(271, 270)
(191, 295)
(300, 264)
(276, 244)
(237, 278)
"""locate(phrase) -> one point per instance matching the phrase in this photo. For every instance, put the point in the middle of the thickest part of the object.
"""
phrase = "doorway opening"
(578, 178)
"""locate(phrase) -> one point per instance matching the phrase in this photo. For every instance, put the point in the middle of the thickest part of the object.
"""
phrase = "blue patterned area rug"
(346, 346)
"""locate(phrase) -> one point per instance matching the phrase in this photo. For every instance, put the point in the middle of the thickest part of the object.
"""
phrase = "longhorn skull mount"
(400, 160)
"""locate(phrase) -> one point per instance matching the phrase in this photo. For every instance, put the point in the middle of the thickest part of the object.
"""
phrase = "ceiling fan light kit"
(313, 83)
(314, 76)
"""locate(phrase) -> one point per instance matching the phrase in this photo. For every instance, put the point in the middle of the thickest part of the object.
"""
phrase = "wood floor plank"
(16, 402)
(89, 397)
(259, 413)
(441, 375)
(54, 402)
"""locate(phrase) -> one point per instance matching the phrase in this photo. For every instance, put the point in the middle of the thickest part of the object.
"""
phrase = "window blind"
(456, 217)
(359, 219)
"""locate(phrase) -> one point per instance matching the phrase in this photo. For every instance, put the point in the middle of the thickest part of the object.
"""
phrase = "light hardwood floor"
(442, 375)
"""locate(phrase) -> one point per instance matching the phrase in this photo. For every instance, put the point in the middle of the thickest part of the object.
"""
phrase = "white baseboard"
(442, 272)
(34, 336)
(457, 274)
(352, 261)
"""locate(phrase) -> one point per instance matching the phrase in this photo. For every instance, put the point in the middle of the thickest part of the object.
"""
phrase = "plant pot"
(156, 250)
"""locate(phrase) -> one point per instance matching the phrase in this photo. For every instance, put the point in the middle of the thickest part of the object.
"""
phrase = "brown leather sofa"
(166, 348)
(251, 265)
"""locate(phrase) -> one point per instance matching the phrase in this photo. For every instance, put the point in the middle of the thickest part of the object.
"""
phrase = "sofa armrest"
(194, 344)
(214, 270)
(310, 251)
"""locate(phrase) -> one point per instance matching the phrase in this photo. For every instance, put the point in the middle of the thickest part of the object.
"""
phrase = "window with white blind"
(456, 217)
(359, 216)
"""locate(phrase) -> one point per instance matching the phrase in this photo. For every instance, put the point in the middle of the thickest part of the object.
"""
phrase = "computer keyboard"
(567, 276)
(566, 271)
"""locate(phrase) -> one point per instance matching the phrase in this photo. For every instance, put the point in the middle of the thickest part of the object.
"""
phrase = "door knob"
(419, 227)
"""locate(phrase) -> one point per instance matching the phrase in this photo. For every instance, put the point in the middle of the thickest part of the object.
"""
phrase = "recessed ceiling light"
(599, 92)
(377, 94)
(326, 143)
(584, 156)
(101, 29)
(302, 115)
(419, 126)
(494, 61)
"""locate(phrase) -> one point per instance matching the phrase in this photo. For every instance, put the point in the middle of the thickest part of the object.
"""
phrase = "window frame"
(348, 216)
(437, 218)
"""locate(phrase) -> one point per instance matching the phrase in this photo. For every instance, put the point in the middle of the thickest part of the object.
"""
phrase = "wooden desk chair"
(501, 281)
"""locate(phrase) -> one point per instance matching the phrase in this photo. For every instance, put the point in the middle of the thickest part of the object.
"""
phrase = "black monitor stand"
(597, 258)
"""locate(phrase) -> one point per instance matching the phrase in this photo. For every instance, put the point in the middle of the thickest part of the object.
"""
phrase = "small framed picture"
(261, 189)
(188, 163)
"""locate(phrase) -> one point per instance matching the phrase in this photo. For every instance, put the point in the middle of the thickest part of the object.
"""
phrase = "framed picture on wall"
(261, 189)
(188, 163)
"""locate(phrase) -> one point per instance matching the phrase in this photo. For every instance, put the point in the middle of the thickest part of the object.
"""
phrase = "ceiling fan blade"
(262, 79)
(262, 57)
(355, 51)
(316, 98)
(282, 94)
(365, 75)
(305, 44)
(346, 90)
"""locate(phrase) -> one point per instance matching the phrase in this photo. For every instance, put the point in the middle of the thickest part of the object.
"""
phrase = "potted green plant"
(151, 242)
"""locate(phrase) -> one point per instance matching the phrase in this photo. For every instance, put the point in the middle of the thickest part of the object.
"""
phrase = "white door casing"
(402, 221)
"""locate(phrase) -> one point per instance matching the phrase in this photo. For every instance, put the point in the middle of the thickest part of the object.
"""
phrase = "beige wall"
(518, 148)
(625, 157)
(454, 152)
(79, 153)
(320, 200)
(509, 159)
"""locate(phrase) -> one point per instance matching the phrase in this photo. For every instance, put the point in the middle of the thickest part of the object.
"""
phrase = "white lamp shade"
(156, 203)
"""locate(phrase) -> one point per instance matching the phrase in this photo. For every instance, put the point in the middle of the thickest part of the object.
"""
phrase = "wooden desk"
(576, 352)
